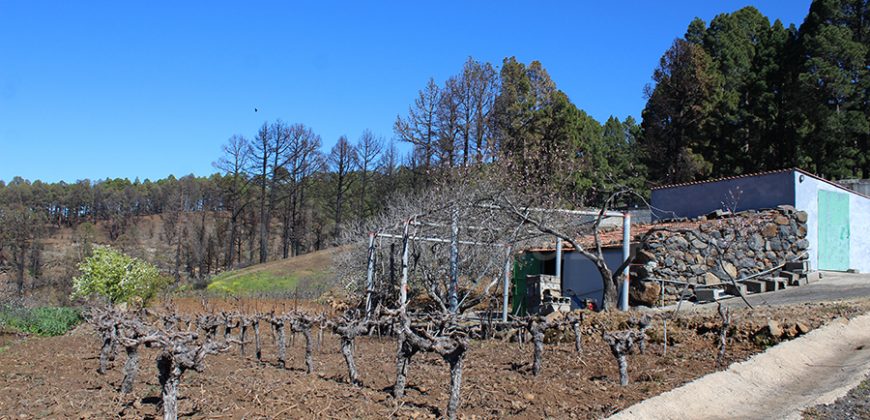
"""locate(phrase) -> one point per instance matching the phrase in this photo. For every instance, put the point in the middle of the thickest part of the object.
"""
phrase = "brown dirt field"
(56, 377)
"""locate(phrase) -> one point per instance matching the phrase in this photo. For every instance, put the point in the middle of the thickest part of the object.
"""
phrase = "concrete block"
(708, 294)
(797, 266)
(771, 285)
(790, 277)
(800, 281)
(731, 290)
(814, 276)
(755, 286)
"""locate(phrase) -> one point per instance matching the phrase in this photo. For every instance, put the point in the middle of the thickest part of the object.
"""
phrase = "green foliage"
(257, 282)
(48, 321)
(755, 95)
(117, 277)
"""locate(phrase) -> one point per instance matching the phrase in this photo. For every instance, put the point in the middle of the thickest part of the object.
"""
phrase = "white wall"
(807, 199)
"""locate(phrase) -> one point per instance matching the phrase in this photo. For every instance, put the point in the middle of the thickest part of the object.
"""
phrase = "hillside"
(310, 273)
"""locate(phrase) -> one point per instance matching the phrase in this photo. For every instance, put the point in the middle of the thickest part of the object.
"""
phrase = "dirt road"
(834, 286)
(814, 369)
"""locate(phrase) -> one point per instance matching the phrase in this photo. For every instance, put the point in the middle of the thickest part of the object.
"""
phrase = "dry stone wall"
(718, 249)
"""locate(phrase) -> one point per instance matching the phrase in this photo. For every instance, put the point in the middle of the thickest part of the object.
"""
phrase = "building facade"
(838, 219)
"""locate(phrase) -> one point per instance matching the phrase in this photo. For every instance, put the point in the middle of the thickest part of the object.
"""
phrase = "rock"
(529, 396)
(678, 241)
(774, 329)
(645, 293)
(710, 278)
(769, 230)
(730, 269)
(756, 242)
(802, 231)
(786, 209)
(802, 328)
(644, 256)
(802, 244)
(780, 220)
(801, 216)
(699, 244)
(554, 316)
(669, 261)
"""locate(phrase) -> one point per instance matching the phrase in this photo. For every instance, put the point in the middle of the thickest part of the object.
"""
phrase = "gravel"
(854, 405)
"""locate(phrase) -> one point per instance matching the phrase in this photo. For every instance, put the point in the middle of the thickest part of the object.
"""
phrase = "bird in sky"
(255, 110)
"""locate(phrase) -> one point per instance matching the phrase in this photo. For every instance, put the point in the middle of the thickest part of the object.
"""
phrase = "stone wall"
(714, 249)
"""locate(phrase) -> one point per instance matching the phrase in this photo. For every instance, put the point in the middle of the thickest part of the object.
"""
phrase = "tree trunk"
(455, 384)
(130, 369)
(258, 351)
(282, 346)
(623, 369)
(169, 377)
(243, 334)
(347, 352)
(104, 355)
(578, 337)
(538, 338)
(403, 359)
(309, 347)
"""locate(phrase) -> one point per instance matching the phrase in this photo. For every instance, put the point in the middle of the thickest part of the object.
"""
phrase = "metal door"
(833, 231)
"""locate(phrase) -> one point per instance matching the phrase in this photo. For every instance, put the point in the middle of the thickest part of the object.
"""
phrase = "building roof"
(755, 174)
(612, 238)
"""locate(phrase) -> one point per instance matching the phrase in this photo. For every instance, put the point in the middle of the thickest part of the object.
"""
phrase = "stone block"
(708, 294)
(790, 277)
(771, 285)
(740, 289)
(799, 281)
(797, 266)
(755, 286)
(814, 276)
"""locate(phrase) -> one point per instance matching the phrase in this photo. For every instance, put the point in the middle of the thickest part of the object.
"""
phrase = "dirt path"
(814, 369)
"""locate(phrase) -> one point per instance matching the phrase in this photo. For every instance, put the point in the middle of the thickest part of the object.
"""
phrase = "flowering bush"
(118, 277)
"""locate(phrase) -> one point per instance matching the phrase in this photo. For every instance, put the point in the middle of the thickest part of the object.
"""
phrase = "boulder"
(774, 329)
(710, 279)
(769, 230)
(730, 269)
(801, 216)
(646, 293)
(780, 220)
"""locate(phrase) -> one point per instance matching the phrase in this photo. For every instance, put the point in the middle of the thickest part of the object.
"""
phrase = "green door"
(833, 231)
(525, 264)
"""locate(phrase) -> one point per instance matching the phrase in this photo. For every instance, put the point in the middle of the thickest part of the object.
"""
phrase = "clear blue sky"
(124, 89)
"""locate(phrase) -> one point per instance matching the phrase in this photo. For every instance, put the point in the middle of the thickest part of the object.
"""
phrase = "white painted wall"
(807, 199)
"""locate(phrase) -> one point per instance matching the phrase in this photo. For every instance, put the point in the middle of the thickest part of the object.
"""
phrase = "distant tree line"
(741, 95)
(736, 96)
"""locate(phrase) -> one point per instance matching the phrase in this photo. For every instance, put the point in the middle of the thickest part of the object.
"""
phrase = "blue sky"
(147, 89)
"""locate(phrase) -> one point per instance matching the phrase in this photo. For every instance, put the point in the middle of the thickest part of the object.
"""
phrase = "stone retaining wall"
(716, 250)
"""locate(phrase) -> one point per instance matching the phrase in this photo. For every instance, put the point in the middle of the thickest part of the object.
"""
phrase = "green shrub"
(117, 277)
(44, 320)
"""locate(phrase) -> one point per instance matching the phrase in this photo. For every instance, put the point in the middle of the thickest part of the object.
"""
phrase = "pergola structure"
(454, 241)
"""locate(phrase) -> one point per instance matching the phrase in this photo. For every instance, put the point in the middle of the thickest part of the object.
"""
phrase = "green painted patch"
(834, 235)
